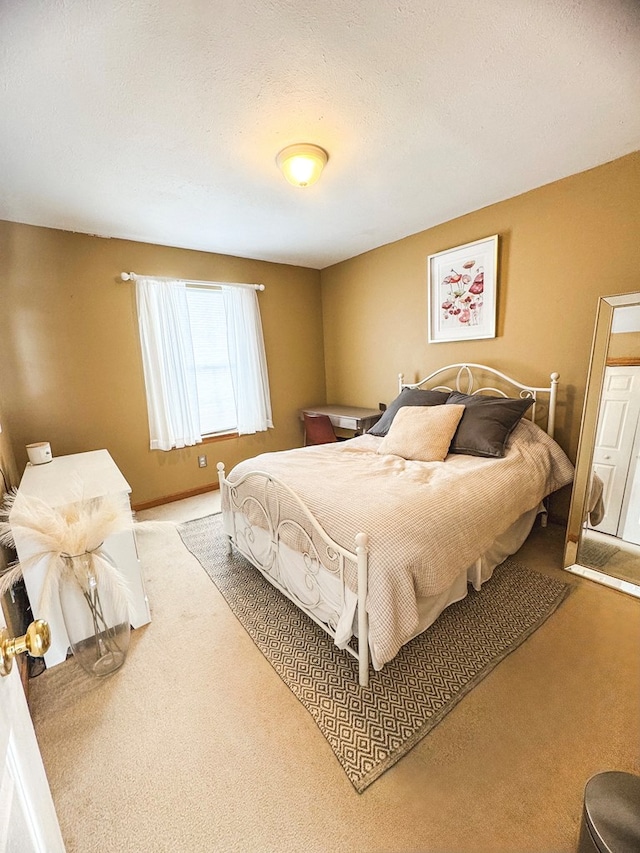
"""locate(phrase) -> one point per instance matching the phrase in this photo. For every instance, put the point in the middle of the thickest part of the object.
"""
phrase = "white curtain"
(169, 369)
(247, 359)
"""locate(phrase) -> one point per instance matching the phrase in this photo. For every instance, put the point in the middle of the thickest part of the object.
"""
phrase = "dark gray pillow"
(407, 397)
(486, 424)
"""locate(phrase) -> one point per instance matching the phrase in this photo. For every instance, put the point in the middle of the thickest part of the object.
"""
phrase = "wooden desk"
(346, 417)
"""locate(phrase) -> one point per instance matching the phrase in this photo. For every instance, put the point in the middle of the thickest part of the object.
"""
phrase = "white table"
(56, 483)
(346, 417)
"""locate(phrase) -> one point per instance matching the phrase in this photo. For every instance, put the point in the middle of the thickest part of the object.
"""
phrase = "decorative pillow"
(422, 433)
(486, 424)
(407, 397)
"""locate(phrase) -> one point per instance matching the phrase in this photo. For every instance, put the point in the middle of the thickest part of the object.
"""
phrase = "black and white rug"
(370, 729)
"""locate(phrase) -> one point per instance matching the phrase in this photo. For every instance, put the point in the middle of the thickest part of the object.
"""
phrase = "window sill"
(210, 439)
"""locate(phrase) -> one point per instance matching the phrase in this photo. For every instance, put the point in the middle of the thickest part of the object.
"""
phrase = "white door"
(630, 522)
(617, 422)
(28, 821)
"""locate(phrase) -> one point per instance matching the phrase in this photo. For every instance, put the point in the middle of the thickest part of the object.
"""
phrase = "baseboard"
(167, 499)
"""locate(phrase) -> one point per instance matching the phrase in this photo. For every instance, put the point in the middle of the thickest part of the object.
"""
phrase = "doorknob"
(35, 642)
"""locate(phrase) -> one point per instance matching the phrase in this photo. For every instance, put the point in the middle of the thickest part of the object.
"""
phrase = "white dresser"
(57, 483)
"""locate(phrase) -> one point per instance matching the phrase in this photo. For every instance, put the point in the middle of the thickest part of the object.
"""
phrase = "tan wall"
(561, 247)
(71, 372)
(624, 345)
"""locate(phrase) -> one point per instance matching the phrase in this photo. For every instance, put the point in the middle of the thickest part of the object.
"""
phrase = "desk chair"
(318, 429)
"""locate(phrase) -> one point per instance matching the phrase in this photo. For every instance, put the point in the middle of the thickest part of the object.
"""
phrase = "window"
(216, 401)
(205, 370)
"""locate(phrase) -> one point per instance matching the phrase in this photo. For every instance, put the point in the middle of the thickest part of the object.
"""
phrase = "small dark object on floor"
(611, 815)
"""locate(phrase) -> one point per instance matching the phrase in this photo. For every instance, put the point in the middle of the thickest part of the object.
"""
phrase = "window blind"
(213, 373)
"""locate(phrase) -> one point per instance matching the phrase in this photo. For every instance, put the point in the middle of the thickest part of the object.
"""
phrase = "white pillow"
(422, 433)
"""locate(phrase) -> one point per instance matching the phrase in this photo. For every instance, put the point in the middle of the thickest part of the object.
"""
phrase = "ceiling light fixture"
(302, 164)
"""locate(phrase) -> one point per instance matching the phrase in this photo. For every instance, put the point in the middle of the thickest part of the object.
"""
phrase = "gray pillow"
(407, 397)
(486, 424)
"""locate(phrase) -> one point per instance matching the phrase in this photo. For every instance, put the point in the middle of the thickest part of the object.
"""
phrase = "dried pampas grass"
(61, 532)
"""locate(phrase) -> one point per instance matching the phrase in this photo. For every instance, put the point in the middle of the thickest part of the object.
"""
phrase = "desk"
(346, 417)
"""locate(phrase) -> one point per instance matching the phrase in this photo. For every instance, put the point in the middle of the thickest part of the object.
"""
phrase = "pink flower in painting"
(462, 299)
(478, 283)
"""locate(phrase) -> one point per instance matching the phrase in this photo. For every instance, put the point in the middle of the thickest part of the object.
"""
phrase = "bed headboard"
(481, 379)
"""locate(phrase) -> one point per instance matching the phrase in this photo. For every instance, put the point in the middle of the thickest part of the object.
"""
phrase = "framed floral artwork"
(462, 286)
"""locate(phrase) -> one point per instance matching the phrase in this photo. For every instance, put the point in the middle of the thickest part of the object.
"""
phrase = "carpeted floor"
(196, 744)
(369, 730)
(617, 560)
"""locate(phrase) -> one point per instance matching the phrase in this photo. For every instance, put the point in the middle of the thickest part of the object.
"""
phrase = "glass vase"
(96, 616)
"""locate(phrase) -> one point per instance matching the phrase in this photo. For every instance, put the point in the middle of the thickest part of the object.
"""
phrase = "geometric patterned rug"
(370, 729)
(594, 553)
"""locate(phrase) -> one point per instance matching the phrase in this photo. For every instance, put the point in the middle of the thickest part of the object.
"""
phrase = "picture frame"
(462, 292)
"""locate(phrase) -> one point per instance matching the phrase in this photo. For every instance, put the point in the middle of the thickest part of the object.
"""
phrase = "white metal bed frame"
(323, 552)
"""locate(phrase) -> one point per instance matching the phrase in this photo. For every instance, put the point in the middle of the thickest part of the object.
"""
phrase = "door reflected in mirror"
(603, 534)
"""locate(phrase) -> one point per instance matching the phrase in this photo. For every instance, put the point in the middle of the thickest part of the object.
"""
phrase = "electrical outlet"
(202, 461)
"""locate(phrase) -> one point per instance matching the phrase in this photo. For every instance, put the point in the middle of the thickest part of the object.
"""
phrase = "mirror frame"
(584, 457)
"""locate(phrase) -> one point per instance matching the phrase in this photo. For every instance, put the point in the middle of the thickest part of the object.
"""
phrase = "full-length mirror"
(603, 533)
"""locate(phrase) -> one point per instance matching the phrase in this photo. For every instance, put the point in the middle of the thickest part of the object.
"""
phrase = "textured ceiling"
(160, 120)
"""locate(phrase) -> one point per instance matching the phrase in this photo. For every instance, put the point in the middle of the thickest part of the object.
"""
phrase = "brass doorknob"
(35, 643)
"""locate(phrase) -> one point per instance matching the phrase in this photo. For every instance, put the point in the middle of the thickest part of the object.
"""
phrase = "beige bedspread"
(426, 522)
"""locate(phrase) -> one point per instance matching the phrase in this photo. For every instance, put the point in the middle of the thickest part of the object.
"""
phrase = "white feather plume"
(66, 531)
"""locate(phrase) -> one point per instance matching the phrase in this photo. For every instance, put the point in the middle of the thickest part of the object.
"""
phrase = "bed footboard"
(267, 523)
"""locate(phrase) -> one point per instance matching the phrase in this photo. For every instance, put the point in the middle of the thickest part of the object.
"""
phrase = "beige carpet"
(614, 557)
(625, 565)
(370, 729)
(197, 745)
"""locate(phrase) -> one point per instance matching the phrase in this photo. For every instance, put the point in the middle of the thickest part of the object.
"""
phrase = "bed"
(375, 536)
